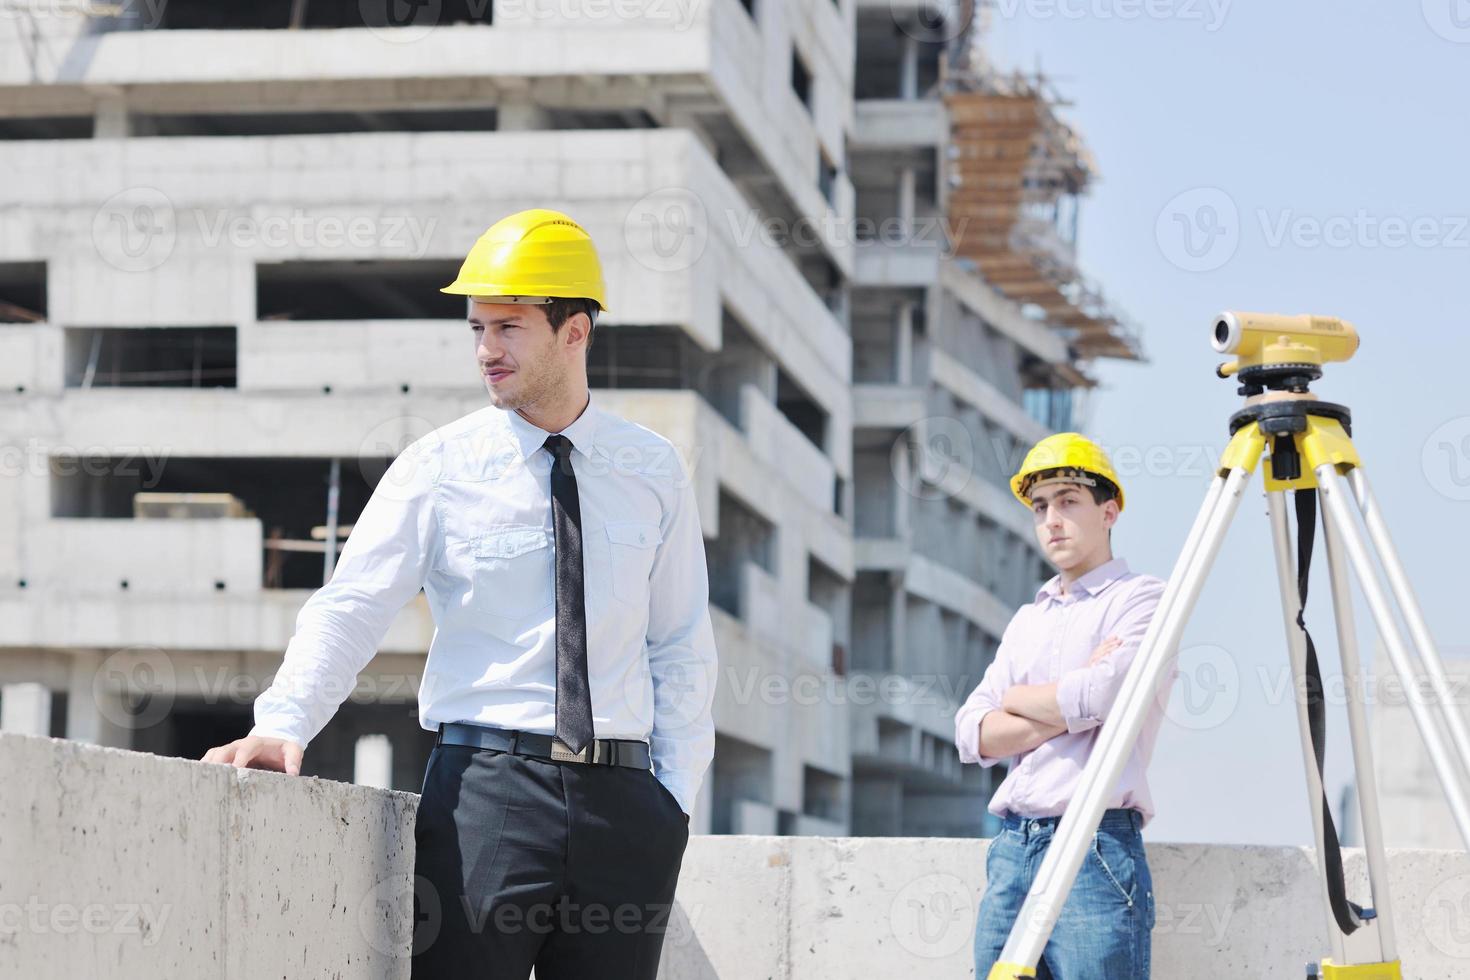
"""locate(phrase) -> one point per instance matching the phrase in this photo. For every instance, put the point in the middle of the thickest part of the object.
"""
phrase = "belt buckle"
(561, 752)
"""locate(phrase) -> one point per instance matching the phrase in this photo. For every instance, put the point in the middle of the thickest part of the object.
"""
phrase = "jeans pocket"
(1115, 860)
(1000, 851)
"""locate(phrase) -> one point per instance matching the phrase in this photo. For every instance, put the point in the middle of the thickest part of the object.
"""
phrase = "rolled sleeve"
(1074, 695)
(985, 698)
(681, 651)
(1085, 696)
(967, 733)
(383, 565)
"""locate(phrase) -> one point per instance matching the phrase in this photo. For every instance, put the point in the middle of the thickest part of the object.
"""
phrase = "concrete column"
(787, 769)
(766, 377)
(899, 626)
(520, 114)
(372, 763)
(740, 363)
(906, 191)
(110, 120)
(908, 67)
(25, 709)
(96, 709)
(841, 307)
(903, 346)
(903, 499)
(683, 118)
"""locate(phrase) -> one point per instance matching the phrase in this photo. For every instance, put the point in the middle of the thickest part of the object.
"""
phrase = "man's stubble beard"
(538, 387)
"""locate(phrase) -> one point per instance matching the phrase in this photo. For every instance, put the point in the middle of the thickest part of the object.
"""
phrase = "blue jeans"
(1104, 931)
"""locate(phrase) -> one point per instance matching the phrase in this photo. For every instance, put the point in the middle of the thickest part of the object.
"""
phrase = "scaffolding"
(1016, 171)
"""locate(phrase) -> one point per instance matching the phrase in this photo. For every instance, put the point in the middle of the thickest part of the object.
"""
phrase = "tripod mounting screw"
(1283, 425)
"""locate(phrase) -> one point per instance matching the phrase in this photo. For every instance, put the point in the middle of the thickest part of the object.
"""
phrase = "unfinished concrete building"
(224, 231)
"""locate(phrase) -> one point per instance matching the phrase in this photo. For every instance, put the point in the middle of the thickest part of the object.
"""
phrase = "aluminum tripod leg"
(1347, 642)
(1296, 647)
(1335, 498)
(1413, 615)
(1116, 740)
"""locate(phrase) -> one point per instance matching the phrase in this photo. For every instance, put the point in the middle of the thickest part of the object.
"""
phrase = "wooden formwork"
(1010, 153)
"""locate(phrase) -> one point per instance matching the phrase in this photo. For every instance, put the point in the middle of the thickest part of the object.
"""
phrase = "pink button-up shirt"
(1051, 640)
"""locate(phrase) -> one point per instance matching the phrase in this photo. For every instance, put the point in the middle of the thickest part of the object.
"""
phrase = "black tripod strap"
(1348, 914)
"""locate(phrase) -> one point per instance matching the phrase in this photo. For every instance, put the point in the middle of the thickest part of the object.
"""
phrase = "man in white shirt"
(560, 550)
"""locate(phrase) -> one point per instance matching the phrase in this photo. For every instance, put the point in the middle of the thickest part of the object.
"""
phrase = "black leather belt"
(600, 752)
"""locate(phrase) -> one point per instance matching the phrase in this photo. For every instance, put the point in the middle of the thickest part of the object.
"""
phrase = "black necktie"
(573, 698)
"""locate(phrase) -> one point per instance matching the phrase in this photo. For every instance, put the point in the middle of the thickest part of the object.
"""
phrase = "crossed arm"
(1004, 733)
(1028, 716)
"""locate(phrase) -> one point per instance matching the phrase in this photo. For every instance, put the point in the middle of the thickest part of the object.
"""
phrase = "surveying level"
(1307, 448)
(1268, 342)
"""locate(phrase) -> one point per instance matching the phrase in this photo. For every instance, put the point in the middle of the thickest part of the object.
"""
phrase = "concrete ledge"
(126, 865)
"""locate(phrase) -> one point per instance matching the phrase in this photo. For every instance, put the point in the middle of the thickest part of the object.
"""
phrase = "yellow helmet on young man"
(1064, 451)
(532, 255)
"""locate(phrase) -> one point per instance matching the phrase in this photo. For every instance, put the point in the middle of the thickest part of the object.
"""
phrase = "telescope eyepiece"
(1227, 333)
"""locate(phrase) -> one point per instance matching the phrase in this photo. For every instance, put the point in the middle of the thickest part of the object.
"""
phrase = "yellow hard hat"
(529, 255)
(1065, 451)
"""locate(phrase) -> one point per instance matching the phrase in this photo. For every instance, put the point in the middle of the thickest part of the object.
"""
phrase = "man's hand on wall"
(251, 752)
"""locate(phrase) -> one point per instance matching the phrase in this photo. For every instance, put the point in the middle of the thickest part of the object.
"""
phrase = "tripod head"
(1278, 352)
(1283, 354)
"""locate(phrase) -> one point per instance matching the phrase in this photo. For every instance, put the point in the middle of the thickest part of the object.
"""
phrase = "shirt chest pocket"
(632, 546)
(514, 572)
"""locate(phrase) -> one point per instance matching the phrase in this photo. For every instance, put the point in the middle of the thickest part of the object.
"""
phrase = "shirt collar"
(528, 438)
(1092, 583)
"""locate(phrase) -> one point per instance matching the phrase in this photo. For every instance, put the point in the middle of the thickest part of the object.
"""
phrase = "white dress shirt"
(465, 514)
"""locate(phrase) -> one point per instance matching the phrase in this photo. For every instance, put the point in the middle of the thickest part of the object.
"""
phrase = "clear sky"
(1316, 155)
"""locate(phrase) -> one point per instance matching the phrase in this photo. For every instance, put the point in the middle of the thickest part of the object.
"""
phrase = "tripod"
(1287, 426)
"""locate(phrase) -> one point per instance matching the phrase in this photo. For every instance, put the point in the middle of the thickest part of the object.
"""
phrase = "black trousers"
(566, 867)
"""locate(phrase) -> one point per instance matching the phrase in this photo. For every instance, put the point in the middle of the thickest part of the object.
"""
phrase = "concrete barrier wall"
(123, 865)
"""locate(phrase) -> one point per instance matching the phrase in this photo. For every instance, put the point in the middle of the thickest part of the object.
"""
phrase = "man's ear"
(1110, 514)
(579, 329)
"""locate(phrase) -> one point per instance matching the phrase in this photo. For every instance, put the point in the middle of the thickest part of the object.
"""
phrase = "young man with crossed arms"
(1053, 682)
